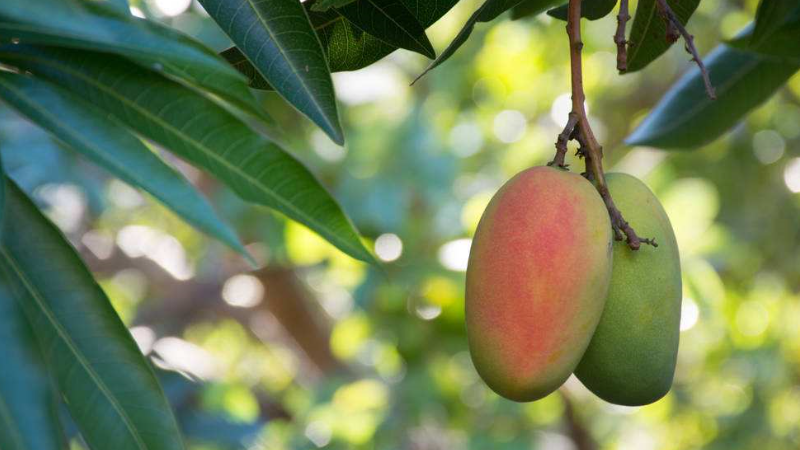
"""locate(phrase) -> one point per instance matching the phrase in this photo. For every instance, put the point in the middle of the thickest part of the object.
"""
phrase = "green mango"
(632, 356)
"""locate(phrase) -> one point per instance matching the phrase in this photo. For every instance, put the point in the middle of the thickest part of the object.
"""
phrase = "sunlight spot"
(428, 312)
(144, 337)
(791, 176)
(510, 126)
(183, 355)
(100, 243)
(454, 255)
(388, 247)
(66, 205)
(690, 313)
(319, 433)
(172, 8)
(768, 146)
(243, 291)
(138, 240)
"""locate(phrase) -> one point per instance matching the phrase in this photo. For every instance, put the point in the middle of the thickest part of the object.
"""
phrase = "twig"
(582, 132)
(576, 429)
(674, 24)
(619, 38)
(563, 140)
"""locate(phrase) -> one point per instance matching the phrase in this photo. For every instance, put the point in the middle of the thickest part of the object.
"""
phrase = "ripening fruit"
(537, 280)
(631, 359)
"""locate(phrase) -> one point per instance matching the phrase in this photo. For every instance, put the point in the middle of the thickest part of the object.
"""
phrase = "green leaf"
(110, 390)
(28, 414)
(391, 22)
(199, 131)
(99, 26)
(237, 59)
(590, 9)
(769, 18)
(346, 46)
(529, 8)
(276, 36)
(106, 142)
(486, 13)
(648, 32)
(783, 42)
(687, 118)
(324, 5)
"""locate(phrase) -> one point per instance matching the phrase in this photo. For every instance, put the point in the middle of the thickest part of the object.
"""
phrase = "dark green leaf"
(199, 131)
(346, 46)
(98, 26)
(110, 389)
(486, 13)
(687, 118)
(391, 22)
(237, 59)
(648, 32)
(590, 9)
(769, 17)
(106, 142)
(324, 5)
(529, 8)
(276, 36)
(28, 414)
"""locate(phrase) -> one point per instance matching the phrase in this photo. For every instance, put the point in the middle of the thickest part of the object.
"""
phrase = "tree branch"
(619, 38)
(590, 148)
(673, 25)
(579, 434)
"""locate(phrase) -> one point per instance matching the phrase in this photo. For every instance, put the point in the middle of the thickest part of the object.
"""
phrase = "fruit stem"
(582, 132)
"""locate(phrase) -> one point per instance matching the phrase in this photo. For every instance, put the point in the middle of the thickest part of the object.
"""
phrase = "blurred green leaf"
(687, 118)
(99, 26)
(277, 37)
(199, 131)
(106, 142)
(769, 18)
(590, 9)
(647, 39)
(783, 42)
(110, 389)
(391, 22)
(486, 13)
(530, 8)
(28, 414)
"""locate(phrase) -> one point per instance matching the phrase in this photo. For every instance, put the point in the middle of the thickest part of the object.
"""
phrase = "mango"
(631, 359)
(537, 279)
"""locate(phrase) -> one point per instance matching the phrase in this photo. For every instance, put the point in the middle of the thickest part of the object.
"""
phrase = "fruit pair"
(550, 293)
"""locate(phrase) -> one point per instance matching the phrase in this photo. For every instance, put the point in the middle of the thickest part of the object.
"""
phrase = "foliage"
(126, 94)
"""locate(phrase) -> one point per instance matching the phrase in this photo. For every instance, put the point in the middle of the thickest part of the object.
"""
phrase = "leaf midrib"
(37, 297)
(208, 152)
(644, 33)
(285, 57)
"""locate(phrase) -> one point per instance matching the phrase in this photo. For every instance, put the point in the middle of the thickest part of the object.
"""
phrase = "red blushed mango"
(537, 279)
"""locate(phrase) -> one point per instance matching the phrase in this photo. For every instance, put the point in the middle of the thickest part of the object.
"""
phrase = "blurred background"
(316, 350)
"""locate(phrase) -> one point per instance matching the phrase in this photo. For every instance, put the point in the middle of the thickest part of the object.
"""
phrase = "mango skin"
(537, 279)
(631, 359)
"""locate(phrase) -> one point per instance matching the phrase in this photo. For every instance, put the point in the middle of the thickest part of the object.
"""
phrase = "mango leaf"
(106, 142)
(100, 26)
(529, 8)
(28, 414)
(648, 32)
(346, 46)
(324, 5)
(110, 390)
(769, 18)
(199, 131)
(486, 13)
(783, 42)
(391, 22)
(276, 36)
(590, 9)
(687, 118)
